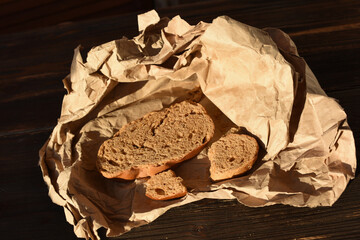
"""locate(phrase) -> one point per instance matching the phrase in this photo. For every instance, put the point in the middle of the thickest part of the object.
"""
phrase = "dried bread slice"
(164, 186)
(231, 155)
(156, 141)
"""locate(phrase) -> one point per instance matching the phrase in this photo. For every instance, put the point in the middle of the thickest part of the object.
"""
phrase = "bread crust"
(142, 171)
(179, 195)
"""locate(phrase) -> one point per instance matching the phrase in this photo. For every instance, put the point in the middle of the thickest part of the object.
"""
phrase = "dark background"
(22, 15)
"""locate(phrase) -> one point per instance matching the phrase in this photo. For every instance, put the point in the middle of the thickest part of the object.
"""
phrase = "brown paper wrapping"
(249, 77)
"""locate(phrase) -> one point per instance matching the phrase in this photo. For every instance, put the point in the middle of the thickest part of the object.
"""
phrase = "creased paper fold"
(249, 77)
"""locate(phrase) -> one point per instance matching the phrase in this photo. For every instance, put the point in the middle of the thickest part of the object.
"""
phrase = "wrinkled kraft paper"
(249, 77)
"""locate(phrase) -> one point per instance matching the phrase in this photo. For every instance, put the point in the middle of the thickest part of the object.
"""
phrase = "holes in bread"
(159, 191)
(203, 140)
(153, 131)
(231, 159)
(190, 113)
(137, 147)
(113, 163)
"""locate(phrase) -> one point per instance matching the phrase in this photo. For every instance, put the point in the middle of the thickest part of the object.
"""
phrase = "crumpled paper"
(249, 77)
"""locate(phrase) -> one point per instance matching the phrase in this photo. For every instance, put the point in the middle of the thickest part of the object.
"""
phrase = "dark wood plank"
(290, 16)
(26, 211)
(40, 52)
(336, 70)
(12, 7)
(34, 112)
(25, 15)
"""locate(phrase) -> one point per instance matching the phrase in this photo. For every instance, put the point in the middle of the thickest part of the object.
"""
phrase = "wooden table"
(32, 65)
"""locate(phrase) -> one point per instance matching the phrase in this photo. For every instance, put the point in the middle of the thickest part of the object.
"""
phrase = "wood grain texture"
(25, 208)
(21, 15)
(33, 63)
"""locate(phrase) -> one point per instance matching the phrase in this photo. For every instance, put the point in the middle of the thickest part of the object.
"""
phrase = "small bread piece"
(231, 155)
(156, 142)
(164, 186)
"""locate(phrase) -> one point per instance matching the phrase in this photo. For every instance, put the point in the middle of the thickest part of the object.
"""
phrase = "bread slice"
(164, 186)
(231, 155)
(156, 141)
